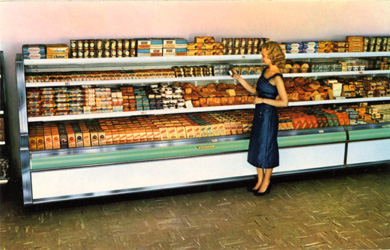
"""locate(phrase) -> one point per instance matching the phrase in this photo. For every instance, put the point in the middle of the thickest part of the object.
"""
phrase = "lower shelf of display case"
(90, 172)
(74, 183)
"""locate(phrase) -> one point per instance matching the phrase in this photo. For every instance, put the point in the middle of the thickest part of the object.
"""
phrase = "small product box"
(169, 43)
(37, 51)
(181, 43)
(143, 44)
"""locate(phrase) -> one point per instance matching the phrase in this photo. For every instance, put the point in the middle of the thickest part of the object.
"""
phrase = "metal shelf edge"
(78, 61)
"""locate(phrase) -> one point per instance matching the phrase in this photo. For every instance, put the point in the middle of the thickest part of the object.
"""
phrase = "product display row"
(89, 99)
(137, 129)
(176, 71)
(158, 47)
(306, 89)
(351, 44)
(102, 132)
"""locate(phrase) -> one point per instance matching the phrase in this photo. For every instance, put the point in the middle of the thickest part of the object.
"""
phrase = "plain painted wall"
(283, 21)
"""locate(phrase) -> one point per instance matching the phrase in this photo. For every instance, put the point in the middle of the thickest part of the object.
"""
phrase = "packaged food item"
(34, 51)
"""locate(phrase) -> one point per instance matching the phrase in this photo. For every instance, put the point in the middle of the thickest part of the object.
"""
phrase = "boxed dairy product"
(34, 51)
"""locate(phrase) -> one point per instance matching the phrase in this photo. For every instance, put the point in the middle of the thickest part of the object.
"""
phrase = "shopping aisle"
(349, 211)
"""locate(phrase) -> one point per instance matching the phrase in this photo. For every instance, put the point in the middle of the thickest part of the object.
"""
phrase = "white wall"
(58, 22)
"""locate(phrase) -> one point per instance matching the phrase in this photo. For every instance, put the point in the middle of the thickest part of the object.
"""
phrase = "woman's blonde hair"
(275, 54)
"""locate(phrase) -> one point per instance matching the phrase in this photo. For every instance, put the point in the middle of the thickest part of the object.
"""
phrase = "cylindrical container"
(119, 44)
(119, 52)
(86, 54)
(73, 44)
(113, 44)
(80, 44)
(73, 54)
(99, 53)
(230, 42)
(224, 42)
(106, 44)
(126, 44)
(106, 53)
(133, 43)
(99, 44)
(86, 44)
(92, 44)
(126, 53)
(92, 53)
(113, 52)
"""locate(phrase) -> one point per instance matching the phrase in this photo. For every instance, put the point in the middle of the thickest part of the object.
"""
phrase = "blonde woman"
(263, 150)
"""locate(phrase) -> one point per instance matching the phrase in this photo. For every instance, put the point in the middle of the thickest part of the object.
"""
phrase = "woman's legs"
(260, 176)
(266, 180)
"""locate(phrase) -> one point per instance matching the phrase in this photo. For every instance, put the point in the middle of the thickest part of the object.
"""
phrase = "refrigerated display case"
(76, 173)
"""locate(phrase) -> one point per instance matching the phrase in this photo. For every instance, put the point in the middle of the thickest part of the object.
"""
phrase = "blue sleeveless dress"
(263, 146)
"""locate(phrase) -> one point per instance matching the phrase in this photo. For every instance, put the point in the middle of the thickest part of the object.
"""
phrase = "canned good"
(243, 42)
(86, 54)
(99, 44)
(113, 44)
(256, 42)
(92, 44)
(249, 41)
(92, 54)
(107, 53)
(85, 44)
(73, 54)
(113, 52)
(106, 44)
(99, 53)
(126, 44)
(73, 44)
(133, 43)
(80, 44)
(237, 42)
(119, 44)
(80, 54)
(230, 42)
(126, 53)
(119, 52)
(224, 42)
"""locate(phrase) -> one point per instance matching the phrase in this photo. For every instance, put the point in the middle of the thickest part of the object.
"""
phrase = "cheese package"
(37, 51)
(57, 49)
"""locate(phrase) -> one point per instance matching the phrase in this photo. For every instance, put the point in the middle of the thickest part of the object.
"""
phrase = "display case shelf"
(200, 79)
(195, 110)
(196, 59)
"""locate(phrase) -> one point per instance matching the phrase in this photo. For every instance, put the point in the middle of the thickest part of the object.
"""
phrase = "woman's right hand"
(235, 75)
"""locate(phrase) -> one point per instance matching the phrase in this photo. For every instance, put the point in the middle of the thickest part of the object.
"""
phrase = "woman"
(263, 150)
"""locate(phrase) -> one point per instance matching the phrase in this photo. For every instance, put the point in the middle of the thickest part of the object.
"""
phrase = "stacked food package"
(102, 48)
(137, 129)
(306, 89)
(204, 45)
(174, 47)
(242, 46)
(34, 51)
(57, 51)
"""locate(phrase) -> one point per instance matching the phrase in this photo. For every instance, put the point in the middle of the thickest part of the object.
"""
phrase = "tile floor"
(342, 210)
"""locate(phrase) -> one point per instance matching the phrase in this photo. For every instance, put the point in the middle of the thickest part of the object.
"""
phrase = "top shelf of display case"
(185, 59)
